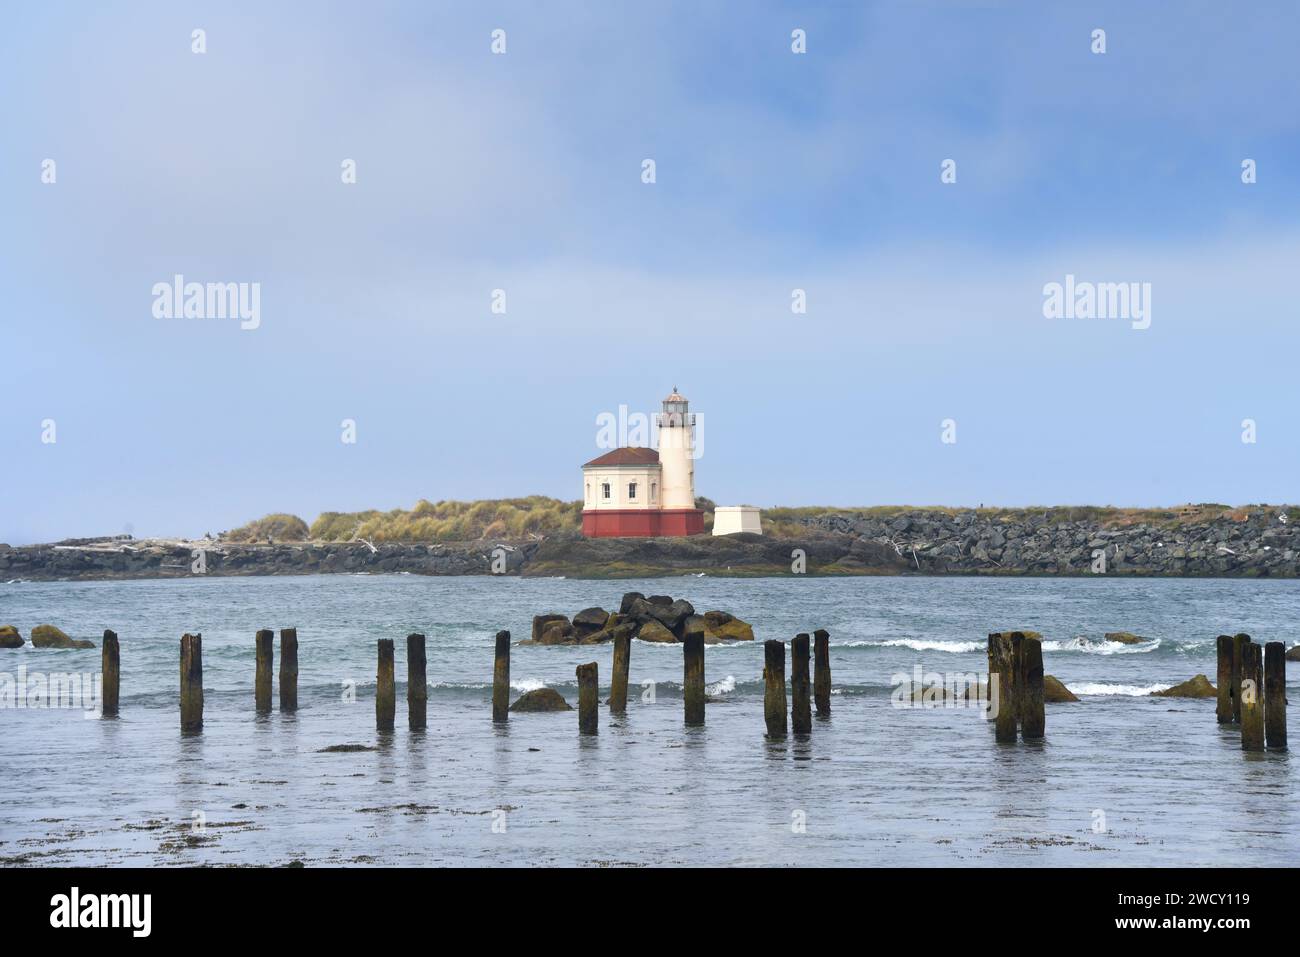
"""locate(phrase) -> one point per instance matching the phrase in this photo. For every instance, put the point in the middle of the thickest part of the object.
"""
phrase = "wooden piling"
(1223, 705)
(385, 689)
(1275, 695)
(288, 669)
(1002, 674)
(501, 678)
(622, 659)
(417, 684)
(265, 660)
(1029, 685)
(191, 683)
(774, 688)
(110, 674)
(693, 677)
(588, 700)
(801, 703)
(1238, 643)
(822, 671)
(1252, 697)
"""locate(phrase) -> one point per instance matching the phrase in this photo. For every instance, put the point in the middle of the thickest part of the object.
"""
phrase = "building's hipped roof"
(631, 455)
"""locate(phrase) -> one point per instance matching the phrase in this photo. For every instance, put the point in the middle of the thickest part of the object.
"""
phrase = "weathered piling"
(417, 684)
(1238, 644)
(588, 701)
(385, 689)
(110, 674)
(1029, 687)
(801, 703)
(1275, 695)
(191, 683)
(501, 678)
(1252, 697)
(1223, 705)
(693, 676)
(822, 671)
(265, 659)
(288, 669)
(774, 687)
(622, 658)
(1002, 686)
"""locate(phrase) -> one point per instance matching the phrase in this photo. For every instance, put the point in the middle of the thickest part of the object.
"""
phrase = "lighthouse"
(640, 492)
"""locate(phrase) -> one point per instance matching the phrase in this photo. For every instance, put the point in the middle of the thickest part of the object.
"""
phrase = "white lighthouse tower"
(677, 460)
(676, 449)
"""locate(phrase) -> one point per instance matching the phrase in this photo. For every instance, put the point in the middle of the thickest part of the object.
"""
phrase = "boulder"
(1293, 653)
(625, 605)
(541, 621)
(9, 637)
(589, 620)
(652, 630)
(558, 633)
(1056, 693)
(615, 628)
(1125, 637)
(731, 628)
(660, 599)
(638, 609)
(671, 616)
(541, 699)
(47, 636)
(1197, 687)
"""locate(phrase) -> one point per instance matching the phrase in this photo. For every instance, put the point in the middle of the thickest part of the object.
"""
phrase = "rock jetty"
(657, 618)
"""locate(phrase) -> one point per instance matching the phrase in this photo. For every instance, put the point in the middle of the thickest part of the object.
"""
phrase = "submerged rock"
(541, 699)
(1293, 653)
(48, 636)
(1054, 692)
(1197, 687)
(1125, 637)
(9, 637)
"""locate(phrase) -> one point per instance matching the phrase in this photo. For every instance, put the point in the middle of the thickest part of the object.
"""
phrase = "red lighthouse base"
(642, 522)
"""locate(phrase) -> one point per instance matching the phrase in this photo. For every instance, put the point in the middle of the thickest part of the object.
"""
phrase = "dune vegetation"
(278, 527)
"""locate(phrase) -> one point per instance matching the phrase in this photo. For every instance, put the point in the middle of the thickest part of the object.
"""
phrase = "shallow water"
(1122, 778)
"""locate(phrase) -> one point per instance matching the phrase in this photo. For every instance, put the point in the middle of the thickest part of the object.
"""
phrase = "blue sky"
(521, 172)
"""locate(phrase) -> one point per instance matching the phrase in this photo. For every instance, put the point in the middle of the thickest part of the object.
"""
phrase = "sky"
(523, 171)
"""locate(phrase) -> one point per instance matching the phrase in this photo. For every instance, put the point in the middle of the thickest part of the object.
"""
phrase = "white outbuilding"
(730, 519)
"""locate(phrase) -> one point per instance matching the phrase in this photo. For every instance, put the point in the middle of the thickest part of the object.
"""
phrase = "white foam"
(1101, 688)
(1093, 646)
(527, 684)
(724, 686)
(918, 644)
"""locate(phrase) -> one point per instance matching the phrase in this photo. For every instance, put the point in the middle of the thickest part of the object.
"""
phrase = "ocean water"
(1121, 779)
